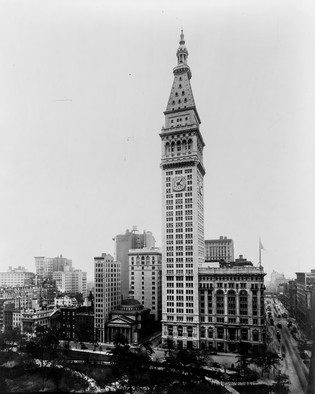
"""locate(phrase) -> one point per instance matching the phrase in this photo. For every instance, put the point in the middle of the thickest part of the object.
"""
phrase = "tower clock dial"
(179, 183)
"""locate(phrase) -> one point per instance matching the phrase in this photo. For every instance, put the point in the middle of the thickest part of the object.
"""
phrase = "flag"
(261, 246)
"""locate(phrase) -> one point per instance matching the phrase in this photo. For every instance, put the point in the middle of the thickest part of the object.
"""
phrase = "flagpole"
(259, 252)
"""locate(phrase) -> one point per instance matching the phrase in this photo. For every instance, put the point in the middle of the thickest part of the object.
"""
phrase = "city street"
(287, 348)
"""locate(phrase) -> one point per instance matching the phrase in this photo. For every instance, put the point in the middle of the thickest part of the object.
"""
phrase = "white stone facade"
(145, 278)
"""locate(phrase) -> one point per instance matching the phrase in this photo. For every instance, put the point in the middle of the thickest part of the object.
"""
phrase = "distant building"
(65, 301)
(42, 293)
(289, 297)
(145, 278)
(305, 302)
(275, 280)
(124, 243)
(107, 292)
(45, 266)
(6, 318)
(16, 277)
(73, 281)
(219, 249)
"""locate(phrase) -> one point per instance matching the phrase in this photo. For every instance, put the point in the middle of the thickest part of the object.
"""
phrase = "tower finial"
(182, 40)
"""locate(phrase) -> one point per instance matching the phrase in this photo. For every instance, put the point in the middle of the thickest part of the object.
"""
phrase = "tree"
(130, 366)
(271, 360)
(282, 383)
(245, 356)
(265, 360)
(77, 296)
(44, 348)
(10, 339)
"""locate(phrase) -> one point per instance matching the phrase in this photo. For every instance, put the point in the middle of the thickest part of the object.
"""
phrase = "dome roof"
(130, 302)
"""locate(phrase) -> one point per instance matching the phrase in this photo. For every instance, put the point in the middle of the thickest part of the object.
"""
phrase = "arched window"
(220, 302)
(243, 302)
(189, 145)
(210, 332)
(202, 332)
(180, 331)
(244, 334)
(179, 146)
(173, 147)
(255, 336)
(231, 302)
(220, 332)
(167, 148)
(189, 332)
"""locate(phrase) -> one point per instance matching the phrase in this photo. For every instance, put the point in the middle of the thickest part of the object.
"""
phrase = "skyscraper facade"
(107, 292)
(183, 209)
(125, 242)
(145, 278)
(46, 266)
(219, 249)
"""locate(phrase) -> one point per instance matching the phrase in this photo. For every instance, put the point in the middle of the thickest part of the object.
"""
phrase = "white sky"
(83, 87)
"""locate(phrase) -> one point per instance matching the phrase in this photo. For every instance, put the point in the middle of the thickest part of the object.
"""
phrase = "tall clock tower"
(183, 210)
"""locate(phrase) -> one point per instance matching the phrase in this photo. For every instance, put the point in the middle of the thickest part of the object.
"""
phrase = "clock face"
(179, 183)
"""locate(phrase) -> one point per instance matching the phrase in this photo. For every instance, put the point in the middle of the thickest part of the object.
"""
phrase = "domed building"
(131, 320)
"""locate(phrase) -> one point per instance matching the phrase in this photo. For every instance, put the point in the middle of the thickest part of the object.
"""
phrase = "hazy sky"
(83, 87)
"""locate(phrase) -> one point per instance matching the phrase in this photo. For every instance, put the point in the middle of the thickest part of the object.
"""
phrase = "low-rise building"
(63, 301)
(130, 319)
(231, 308)
(16, 277)
(30, 319)
(77, 324)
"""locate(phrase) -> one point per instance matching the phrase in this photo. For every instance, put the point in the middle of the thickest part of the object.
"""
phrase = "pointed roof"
(181, 96)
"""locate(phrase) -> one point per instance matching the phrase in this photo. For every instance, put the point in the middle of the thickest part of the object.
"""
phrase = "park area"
(41, 363)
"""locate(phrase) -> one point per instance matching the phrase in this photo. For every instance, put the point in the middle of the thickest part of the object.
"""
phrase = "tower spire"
(182, 52)
(182, 40)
